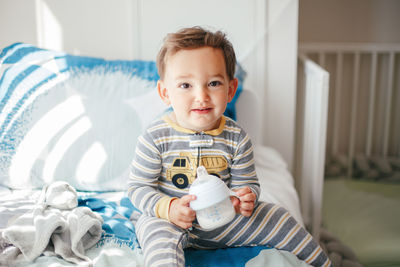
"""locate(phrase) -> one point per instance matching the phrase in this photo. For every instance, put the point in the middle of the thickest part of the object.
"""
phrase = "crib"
(362, 146)
(363, 126)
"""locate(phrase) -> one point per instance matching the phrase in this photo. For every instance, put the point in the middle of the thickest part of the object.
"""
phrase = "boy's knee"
(147, 227)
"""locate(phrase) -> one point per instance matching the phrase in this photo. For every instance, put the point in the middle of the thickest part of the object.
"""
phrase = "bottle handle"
(233, 193)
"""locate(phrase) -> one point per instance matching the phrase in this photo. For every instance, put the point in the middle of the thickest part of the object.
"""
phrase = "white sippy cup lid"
(208, 190)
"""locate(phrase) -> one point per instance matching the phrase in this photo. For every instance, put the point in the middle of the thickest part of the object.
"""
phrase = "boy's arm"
(243, 170)
(143, 180)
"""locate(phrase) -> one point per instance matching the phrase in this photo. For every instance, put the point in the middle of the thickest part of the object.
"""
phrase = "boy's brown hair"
(196, 37)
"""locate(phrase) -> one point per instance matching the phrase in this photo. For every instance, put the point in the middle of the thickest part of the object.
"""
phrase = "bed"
(76, 119)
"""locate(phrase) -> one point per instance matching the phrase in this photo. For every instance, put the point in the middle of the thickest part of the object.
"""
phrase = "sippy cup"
(212, 205)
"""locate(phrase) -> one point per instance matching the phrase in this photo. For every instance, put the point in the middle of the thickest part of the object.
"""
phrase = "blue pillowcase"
(74, 118)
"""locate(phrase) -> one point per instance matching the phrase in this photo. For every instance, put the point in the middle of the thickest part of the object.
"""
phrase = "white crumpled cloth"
(55, 226)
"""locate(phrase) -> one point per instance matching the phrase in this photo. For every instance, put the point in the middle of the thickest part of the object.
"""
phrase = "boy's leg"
(161, 242)
(269, 225)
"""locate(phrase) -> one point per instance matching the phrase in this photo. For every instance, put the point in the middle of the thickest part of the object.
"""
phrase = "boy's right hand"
(180, 212)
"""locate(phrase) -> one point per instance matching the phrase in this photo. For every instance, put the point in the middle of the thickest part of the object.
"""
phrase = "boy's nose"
(202, 94)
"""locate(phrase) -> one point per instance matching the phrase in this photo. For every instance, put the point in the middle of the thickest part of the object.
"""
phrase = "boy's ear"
(163, 92)
(233, 85)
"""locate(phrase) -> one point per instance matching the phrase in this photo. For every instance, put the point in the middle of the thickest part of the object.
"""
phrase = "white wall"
(375, 21)
(91, 27)
(17, 22)
(280, 96)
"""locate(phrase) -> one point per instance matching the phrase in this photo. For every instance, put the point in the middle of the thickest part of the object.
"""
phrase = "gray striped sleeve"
(144, 173)
(243, 170)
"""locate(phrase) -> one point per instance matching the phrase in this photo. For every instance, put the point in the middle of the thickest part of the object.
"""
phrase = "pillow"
(73, 118)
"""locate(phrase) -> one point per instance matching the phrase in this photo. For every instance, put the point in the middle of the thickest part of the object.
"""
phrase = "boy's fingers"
(248, 197)
(189, 213)
(237, 209)
(245, 213)
(243, 191)
(185, 225)
(247, 206)
(185, 200)
(236, 204)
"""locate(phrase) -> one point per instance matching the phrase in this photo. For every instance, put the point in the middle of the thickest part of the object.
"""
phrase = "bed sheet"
(277, 183)
(118, 245)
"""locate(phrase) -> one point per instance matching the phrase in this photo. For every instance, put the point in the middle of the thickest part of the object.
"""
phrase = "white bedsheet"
(277, 183)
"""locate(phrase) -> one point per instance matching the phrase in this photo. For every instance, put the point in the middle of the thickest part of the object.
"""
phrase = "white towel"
(66, 231)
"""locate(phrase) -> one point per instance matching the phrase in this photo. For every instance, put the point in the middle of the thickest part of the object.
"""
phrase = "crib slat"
(371, 106)
(336, 110)
(388, 106)
(353, 114)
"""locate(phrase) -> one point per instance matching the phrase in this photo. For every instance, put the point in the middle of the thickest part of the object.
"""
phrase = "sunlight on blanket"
(39, 136)
(90, 165)
(63, 144)
(114, 252)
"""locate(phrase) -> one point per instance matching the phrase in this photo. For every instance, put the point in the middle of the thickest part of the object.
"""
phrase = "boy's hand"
(245, 203)
(180, 212)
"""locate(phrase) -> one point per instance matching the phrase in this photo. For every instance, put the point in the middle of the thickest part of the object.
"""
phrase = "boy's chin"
(197, 124)
(207, 127)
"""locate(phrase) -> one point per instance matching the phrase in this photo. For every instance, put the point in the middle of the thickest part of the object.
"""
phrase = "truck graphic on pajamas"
(183, 169)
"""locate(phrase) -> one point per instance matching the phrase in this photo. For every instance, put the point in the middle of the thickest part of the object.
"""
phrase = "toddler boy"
(196, 69)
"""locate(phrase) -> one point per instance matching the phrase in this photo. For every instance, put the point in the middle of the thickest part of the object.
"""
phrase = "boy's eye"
(184, 85)
(215, 83)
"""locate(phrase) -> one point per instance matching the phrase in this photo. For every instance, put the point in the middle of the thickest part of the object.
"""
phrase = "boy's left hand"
(245, 203)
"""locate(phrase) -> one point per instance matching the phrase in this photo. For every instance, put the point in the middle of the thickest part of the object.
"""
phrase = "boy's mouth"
(202, 110)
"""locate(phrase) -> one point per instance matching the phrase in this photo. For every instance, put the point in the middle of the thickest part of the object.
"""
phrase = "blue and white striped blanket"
(116, 216)
(71, 118)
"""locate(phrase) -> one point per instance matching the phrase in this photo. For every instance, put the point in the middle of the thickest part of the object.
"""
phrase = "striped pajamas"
(270, 225)
(164, 166)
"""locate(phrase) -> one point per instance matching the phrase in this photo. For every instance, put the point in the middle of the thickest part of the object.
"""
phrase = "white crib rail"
(312, 110)
(364, 117)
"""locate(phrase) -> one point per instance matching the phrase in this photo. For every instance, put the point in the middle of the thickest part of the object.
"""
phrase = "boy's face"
(197, 86)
